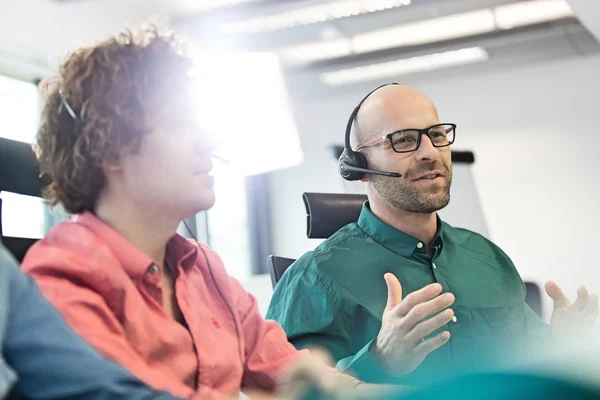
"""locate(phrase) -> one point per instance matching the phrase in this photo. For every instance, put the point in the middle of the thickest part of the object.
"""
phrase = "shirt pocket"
(503, 322)
(497, 333)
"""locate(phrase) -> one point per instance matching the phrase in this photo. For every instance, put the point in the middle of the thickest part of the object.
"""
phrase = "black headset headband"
(353, 165)
(347, 146)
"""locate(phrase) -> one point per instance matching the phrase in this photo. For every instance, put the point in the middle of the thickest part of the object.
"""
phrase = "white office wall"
(533, 132)
(37, 29)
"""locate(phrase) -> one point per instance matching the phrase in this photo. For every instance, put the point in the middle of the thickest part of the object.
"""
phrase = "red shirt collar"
(180, 251)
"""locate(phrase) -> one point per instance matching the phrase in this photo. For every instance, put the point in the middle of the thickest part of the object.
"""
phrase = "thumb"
(394, 291)
(556, 293)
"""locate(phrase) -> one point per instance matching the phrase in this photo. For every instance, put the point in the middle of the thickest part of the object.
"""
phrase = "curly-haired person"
(121, 143)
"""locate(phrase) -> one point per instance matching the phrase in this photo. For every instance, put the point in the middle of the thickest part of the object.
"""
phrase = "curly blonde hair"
(112, 87)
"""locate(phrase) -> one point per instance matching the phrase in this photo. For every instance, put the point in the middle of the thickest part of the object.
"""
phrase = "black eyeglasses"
(407, 140)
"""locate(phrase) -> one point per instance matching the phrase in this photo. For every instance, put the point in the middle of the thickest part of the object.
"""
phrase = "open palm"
(572, 320)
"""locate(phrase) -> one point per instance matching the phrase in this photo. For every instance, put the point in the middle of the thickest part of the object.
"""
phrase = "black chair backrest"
(19, 173)
(277, 266)
(326, 213)
(18, 246)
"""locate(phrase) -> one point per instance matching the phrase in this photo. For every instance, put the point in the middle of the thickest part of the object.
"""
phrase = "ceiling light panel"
(432, 30)
(525, 13)
(426, 31)
(316, 51)
(206, 5)
(429, 62)
(311, 15)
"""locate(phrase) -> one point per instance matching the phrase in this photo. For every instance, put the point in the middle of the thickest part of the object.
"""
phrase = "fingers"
(556, 293)
(592, 304)
(582, 298)
(427, 327)
(418, 297)
(424, 310)
(590, 311)
(429, 345)
(394, 291)
(307, 371)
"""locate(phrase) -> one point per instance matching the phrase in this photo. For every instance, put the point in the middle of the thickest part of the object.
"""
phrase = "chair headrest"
(328, 212)
(19, 172)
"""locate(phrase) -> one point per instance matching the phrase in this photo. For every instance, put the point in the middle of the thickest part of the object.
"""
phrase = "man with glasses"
(460, 304)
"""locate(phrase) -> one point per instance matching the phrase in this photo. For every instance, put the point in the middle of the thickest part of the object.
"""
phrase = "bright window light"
(22, 216)
(431, 30)
(531, 12)
(245, 105)
(311, 15)
(227, 221)
(406, 66)
(19, 105)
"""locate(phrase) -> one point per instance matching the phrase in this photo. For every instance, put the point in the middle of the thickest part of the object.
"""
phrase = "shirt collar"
(133, 260)
(399, 242)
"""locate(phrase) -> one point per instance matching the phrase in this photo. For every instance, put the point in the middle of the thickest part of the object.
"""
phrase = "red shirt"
(109, 292)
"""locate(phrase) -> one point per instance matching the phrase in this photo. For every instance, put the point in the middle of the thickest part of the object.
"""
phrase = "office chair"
(19, 173)
(326, 213)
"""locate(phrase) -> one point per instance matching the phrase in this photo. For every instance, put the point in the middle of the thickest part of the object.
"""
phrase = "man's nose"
(426, 150)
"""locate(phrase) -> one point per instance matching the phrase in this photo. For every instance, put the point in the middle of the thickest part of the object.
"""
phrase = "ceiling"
(560, 37)
(30, 38)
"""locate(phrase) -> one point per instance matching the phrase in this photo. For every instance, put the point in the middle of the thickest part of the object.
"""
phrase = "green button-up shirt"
(334, 297)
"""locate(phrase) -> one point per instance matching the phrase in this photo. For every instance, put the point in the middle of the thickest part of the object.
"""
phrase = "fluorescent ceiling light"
(427, 31)
(310, 15)
(430, 62)
(531, 12)
(316, 51)
(206, 5)
(431, 30)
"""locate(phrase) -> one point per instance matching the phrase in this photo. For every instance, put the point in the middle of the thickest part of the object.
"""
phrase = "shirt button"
(153, 269)
(419, 245)
(433, 265)
(454, 319)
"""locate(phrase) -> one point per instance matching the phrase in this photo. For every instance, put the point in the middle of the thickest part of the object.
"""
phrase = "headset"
(352, 164)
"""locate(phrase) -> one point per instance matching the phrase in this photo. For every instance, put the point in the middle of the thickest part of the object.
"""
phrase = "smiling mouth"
(429, 177)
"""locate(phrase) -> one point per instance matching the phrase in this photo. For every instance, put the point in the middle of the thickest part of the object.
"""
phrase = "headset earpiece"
(352, 159)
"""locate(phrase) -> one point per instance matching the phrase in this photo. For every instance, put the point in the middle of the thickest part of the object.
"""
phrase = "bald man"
(454, 301)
